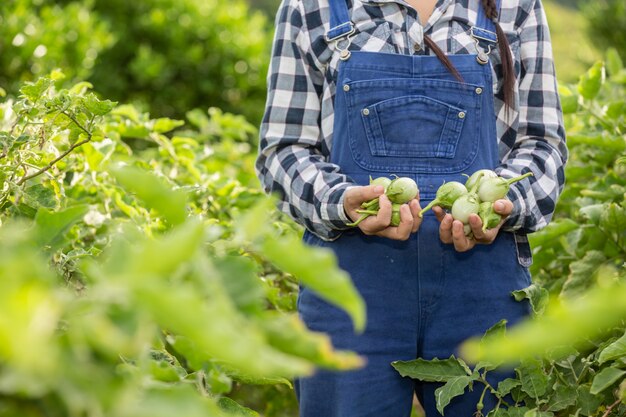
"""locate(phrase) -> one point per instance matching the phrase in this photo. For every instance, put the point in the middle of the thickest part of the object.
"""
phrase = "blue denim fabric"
(407, 115)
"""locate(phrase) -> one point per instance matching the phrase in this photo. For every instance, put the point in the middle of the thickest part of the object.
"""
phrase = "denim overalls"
(407, 115)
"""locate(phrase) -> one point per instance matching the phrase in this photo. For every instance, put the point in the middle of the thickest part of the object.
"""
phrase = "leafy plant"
(139, 274)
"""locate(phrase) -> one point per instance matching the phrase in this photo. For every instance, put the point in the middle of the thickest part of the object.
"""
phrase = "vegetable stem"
(521, 177)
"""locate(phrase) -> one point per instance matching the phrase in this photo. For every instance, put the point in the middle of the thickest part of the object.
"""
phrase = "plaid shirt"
(296, 134)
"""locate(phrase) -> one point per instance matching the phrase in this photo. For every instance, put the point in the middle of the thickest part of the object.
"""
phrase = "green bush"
(143, 272)
(38, 36)
(167, 56)
(606, 22)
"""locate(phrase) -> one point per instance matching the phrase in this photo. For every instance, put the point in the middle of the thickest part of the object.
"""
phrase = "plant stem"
(63, 155)
(610, 408)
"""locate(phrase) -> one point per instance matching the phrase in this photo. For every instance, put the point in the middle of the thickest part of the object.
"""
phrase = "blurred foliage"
(607, 23)
(138, 268)
(572, 47)
(167, 56)
(570, 360)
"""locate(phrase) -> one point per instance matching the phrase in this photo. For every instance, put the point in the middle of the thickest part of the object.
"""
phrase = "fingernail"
(498, 206)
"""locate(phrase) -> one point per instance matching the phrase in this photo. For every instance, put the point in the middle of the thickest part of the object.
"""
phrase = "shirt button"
(366, 112)
(479, 90)
(461, 115)
(346, 87)
(417, 47)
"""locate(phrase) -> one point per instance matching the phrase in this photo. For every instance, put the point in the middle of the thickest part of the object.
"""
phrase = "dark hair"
(508, 73)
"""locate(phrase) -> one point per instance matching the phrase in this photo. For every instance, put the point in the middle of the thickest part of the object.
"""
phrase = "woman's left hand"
(451, 231)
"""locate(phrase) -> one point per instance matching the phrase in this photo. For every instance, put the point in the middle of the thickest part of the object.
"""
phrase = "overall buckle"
(343, 35)
(478, 34)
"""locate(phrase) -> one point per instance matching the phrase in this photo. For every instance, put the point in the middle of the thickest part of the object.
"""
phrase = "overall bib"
(407, 115)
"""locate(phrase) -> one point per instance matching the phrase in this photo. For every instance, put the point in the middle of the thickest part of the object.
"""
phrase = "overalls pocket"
(439, 127)
(413, 125)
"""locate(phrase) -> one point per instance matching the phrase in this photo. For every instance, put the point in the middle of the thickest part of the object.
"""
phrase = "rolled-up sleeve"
(293, 161)
(540, 144)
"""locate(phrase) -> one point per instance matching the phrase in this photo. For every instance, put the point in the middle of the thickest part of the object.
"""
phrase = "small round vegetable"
(464, 206)
(489, 217)
(402, 190)
(467, 230)
(478, 176)
(446, 195)
(384, 181)
(492, 189)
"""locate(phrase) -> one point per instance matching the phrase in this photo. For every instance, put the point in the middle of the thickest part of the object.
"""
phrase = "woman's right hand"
(379, 225)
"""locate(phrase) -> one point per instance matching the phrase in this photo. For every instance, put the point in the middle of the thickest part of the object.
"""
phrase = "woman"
(361, 88)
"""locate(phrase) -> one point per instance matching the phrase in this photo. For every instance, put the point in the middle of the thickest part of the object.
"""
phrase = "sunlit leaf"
(317, 268)
(452, 388)
(590, 83)
(154, 192)
(434, 370)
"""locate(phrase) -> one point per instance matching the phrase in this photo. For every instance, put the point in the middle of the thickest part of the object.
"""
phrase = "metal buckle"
(482, 57)
(476, 35)
(350, 32)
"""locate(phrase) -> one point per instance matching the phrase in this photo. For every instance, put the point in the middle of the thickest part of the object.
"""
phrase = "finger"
(403, 231)
(503, 207)
(445, 229)
(461, 242)
(477, 229)
(414, 205)
(357, 195)
(375, 224)
(439, 213)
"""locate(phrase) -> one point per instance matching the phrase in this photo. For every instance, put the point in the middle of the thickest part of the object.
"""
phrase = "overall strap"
(340, 24)
(485, 29)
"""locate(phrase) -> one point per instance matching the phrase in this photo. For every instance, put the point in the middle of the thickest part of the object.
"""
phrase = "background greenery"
(143, 273)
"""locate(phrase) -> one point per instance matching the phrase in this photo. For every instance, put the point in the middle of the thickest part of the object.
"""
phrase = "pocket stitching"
(448, 137)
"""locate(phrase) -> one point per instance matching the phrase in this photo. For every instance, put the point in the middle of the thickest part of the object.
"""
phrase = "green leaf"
(605, 378)
(588, 402)
(603, 141)
(166, 372)
(234, 409)
(565, 322)
(534, 380)
(154, 192)
(434, 370)
(288, 334)
(317, 268)
(564, 396)
(494, 332)
(616, 109)
(239, 276)
(164, 124)
(614, 350)
(590, 83)
(581, 274)
(33, 91)
(569, 100)
(613, 222)
(517, 411)
(453, 388)
(536, 413)
(592, 212)
(613, 62)
(51, 226)
(96, 106)
(536, 294)
(552, 231)
(505, 386)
